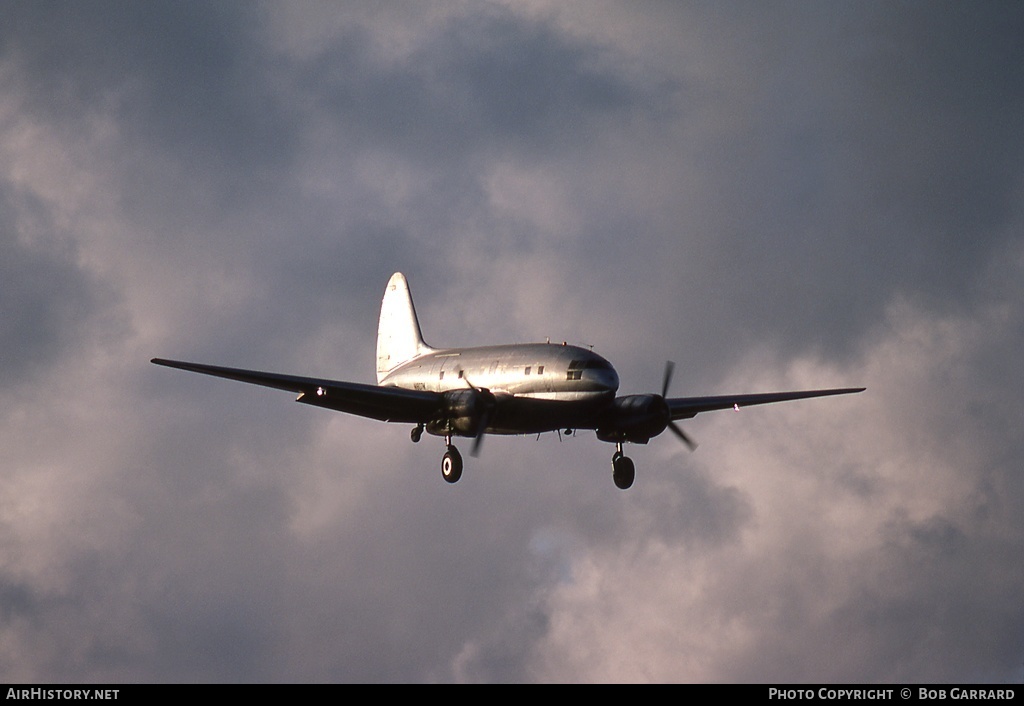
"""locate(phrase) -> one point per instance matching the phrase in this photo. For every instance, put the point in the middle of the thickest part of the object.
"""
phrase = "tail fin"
(399, 338)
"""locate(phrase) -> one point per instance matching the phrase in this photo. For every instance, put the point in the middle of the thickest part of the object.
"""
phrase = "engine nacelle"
(465, 411)
(634, 418)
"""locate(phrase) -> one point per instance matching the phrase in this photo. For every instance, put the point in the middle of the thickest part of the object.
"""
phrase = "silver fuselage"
(542, 386)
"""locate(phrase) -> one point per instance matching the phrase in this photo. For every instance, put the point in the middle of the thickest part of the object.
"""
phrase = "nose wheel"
(623, 470)
(451, 464)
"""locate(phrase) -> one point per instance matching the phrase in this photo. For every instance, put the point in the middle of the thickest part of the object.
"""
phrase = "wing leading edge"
(388, 404)
(688, 407)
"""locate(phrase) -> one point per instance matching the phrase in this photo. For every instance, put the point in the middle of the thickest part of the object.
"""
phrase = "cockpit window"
(592, 364)
(576, 367)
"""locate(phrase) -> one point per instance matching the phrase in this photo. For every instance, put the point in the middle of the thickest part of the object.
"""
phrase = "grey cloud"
(486, 82)
(187, 78)
(755, 216)
(46, 299)
(874, 148)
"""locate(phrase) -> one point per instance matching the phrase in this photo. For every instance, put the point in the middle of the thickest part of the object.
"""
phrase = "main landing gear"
(623, 470)
(451, 463)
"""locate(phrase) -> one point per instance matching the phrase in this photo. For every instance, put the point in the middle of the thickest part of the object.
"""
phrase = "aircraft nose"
(605, 379)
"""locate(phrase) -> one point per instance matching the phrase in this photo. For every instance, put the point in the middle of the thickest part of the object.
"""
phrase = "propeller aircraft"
(504, 389)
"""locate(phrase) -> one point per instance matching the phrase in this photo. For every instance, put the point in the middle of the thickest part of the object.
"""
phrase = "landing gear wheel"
(623, 471)
(451, 465)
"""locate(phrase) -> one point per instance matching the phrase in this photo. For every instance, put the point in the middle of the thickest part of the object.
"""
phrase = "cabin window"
(540, 369)
(460, 374)
(528, 369)
(441, 376)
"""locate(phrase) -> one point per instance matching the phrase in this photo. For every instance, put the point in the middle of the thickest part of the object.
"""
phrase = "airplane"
(503, 389)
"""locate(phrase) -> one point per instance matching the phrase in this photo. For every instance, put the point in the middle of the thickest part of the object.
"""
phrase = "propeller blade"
(682, 436)
(478, 440)
(667, 379)
(485, 418)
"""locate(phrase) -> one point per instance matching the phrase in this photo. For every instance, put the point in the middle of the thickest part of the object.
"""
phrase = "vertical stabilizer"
(399, 339)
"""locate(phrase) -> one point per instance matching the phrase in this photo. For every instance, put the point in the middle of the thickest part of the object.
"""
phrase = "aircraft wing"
(687, 407)
(389, 404)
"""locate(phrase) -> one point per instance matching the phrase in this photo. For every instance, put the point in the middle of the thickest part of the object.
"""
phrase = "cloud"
(47, 299)
(880, 543)
(773, 197)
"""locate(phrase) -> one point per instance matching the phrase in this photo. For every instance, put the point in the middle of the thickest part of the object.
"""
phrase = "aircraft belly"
(531, 416)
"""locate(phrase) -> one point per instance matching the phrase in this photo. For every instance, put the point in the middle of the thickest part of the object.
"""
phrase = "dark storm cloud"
(215, 131)
(475, 89)
(46, 299)
(187, 78)
(948, 144)
(198, 83)
(484, 83)
(866, 146)
(782, 195)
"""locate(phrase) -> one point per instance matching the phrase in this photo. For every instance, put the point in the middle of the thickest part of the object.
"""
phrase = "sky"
(775, 196)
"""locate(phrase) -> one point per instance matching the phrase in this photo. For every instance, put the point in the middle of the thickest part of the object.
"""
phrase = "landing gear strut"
(623, 470)
(451, 463)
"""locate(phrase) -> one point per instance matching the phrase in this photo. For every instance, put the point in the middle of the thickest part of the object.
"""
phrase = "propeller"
(486, 398)
(672, 426)
(485, 419)
(666, 379)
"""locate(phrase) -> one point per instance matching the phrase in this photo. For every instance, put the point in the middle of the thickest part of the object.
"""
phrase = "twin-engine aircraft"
(507, 389)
